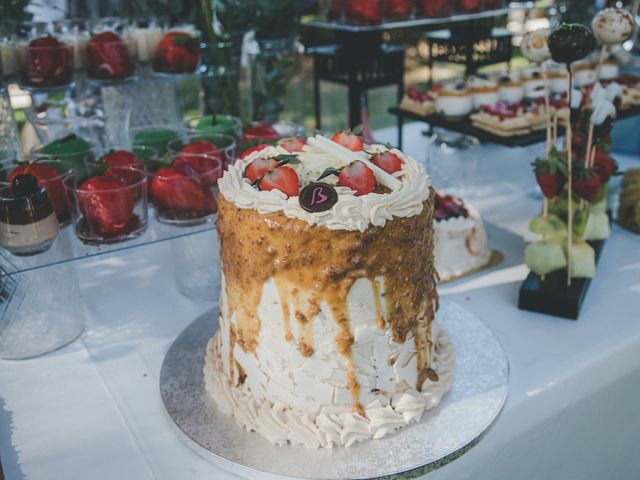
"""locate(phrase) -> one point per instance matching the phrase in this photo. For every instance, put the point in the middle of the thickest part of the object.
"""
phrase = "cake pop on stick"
(568, 43)
(535, 48)
(611, 26)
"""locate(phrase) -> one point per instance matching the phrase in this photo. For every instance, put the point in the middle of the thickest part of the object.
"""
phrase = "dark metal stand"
(360, 63)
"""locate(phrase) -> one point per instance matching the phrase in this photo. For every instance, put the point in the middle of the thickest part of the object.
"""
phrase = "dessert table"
(93, 408)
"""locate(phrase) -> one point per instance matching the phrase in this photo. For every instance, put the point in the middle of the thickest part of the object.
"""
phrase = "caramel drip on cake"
(380, 323)
(313, 266)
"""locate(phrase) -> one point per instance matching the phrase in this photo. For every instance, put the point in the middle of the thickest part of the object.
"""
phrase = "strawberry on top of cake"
(374, 183)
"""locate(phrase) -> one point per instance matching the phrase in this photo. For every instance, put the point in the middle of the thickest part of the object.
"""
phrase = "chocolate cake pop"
(570, 42)
(612, 26)
(535, 46)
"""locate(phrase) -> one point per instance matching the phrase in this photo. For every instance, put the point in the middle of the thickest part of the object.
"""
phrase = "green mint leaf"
(328, 172)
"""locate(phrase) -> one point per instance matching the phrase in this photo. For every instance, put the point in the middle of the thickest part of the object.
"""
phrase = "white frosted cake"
(326, 332)
(460, 238)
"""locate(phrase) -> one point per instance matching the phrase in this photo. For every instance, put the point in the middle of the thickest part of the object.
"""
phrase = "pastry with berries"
(418, 101)
(461, 245)
(326, 248)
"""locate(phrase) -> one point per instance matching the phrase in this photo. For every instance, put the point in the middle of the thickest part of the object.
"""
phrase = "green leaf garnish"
(287, 160)
(329, 171)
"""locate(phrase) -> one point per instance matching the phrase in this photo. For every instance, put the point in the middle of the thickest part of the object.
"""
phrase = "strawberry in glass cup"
(177, 53)
(108, 57)
(397, 9)
(48, 62)
(364, 12)
(434, 8)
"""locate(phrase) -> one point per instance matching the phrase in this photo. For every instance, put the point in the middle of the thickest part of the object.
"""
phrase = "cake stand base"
(480, 386)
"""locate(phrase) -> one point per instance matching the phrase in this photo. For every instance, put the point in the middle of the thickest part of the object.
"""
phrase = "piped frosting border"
(281, 424)
(349, 213)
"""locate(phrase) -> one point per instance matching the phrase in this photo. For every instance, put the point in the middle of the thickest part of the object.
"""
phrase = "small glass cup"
(452, 162)
(46, 64)
(185, 193)
(80, 159)
(74, 32)
(9, 57)
(196, 261)
(257, 133)
(216, 123)
(154, 136)
(172, 57)
(51, 176)
(109, 57)
(216, 144)
(147, 32)
(110, 210)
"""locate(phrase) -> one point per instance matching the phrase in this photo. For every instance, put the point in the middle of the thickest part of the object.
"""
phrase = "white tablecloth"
(93, 410)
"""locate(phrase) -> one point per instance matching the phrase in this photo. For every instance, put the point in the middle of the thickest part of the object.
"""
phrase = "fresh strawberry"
(47, 63)
(49, 178)
(177, 188)
(122, 158)
(292, 144)
(604, 166)
(260, 131)
(363, 11)
(282, 178)
(177, 52)
(259, 167)
(257, 148)
(349, 140)
(200, 147)
(587, 185)
(107, 205)
(387, 161)
(550, 174)
(358, 177)
(108, 57)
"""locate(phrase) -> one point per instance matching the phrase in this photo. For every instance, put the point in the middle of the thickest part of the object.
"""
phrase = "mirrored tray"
(481, 383)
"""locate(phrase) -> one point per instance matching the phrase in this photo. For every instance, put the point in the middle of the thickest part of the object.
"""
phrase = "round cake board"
(480, 386)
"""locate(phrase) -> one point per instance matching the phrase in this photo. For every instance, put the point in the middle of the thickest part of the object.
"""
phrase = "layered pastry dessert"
(509, 119)
(558, 78)
(510, 87)
(583, 73)
(419, 102)
(460, 238)
(326, 331)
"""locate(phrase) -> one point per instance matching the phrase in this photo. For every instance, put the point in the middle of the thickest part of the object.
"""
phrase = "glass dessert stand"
(40, 303)
(480, 387)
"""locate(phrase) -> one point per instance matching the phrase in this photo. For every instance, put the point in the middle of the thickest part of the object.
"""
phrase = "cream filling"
(350, 212)
(460, 245)
(281, 423)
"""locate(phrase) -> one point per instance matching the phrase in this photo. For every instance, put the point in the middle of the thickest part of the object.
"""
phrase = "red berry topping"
(261, 131)
(292, 144)
(259, 167)
(604, 166)
(349, 140)
(358, 177)
(387, 161)
(448, 206)
(122, 158)
(107, 204)
(282, 178)
(587, 186)
(178, 188)
(257, 148)
(108, 57)
(177, 52)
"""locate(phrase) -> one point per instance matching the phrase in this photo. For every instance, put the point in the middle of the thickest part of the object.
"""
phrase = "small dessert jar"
(109, 207)
(109, 57)
(9, 58)
(28, 223)
(468, 6)
(147, 32)
(46, 63)
(74, 32)
(50, 175)
(154, 136)
(434, 8)
(225, 124)
(185, 192)
(397, 10)
(178, 53)
(454, 102)
(258, 133)
(363, 12)
(216, 144)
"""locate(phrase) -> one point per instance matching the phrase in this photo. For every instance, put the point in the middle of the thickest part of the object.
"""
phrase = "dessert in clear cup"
(47, 62)
(484, 91)
(28, 223)
(110, 206)
(178, 52)
(326, 328)
(510, 88)
(109, 57)
(454, 101)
